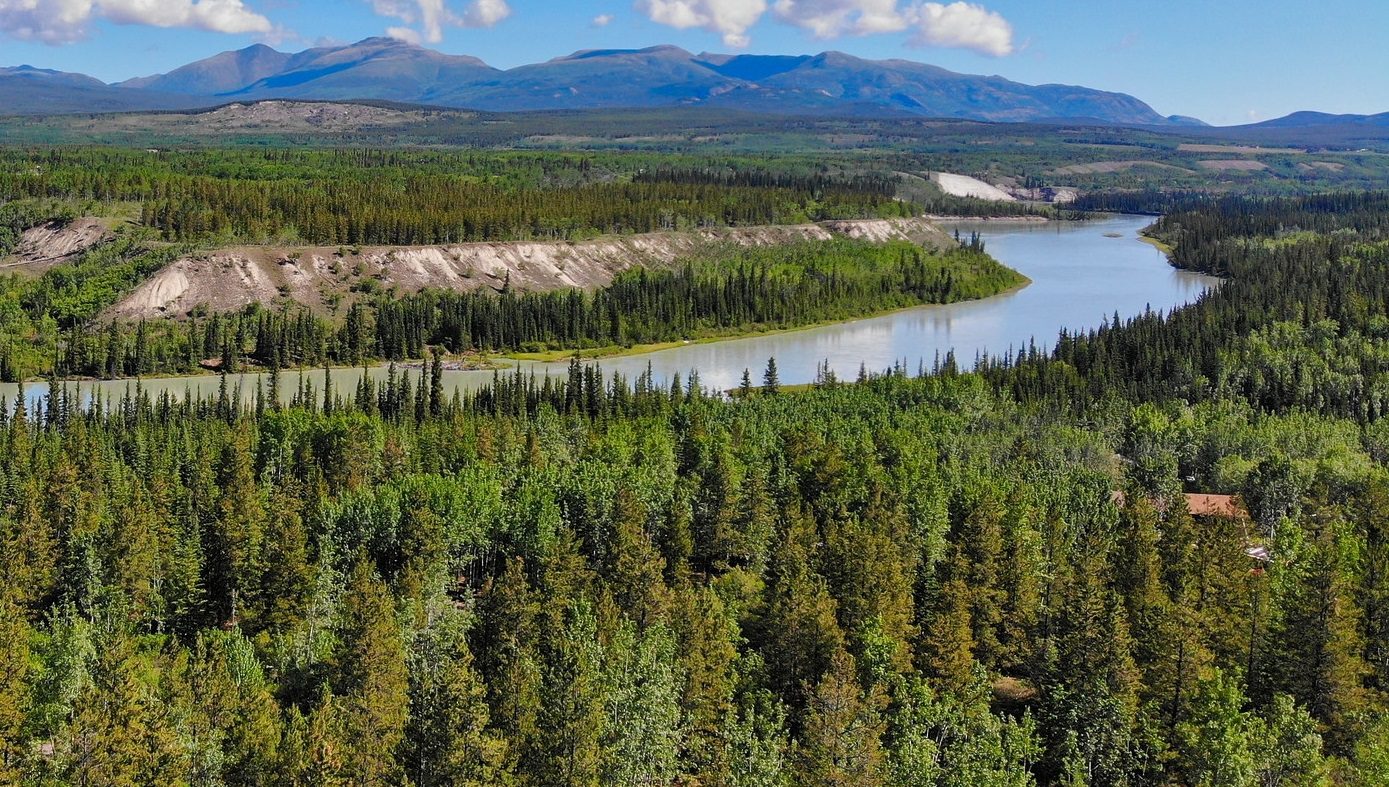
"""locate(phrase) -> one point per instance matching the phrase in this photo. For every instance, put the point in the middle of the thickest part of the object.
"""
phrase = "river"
(1082, 273)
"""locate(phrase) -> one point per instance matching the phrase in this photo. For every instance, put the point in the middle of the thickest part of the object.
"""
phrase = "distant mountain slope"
(1314, 119)
(377, 68)
(831, 83)
(655, 77)
(1309, 130)
(25, 90)
(220, 73)
(828, 82)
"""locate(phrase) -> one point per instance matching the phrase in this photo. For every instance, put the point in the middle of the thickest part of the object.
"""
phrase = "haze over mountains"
(830, 83)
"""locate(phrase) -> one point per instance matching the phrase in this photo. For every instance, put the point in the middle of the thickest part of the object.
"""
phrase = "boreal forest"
(156, 207)
(954, 574)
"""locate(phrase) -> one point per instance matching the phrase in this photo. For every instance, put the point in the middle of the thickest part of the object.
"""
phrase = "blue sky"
(1226, 61)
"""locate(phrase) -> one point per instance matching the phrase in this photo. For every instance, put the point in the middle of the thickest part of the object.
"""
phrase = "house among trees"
(1199, 505)
(1227, 506)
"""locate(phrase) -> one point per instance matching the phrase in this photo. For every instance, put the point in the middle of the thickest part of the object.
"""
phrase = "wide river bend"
(1082, 274)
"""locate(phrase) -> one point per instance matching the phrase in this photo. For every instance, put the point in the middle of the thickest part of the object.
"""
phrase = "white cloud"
(407, 34)
(834, 18)
(49, 21)
(602, 20)
(220, 16)
(963, 25)
(432, 16)
(65, 21)
(486, 13)
(958, 24)
(729, 18)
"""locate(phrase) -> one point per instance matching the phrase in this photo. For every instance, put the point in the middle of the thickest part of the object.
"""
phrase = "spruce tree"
(771, 380)
(841, 744)
(371, 678)
(14, 694)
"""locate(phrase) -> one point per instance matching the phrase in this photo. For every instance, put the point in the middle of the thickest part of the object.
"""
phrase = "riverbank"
(730, 294)
(934, 219)
(1080, 279)
(499, 361)
(1165, 248)
(599, 353)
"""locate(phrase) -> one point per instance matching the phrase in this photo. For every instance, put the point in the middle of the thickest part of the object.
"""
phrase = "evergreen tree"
(948, 652)
(449, 741)
(572, 703)
(371, 679)
(122, 733)
(771, 380)
(802, 634)
(506, 640)
(14, 695)
(841, 744)
(236, 541)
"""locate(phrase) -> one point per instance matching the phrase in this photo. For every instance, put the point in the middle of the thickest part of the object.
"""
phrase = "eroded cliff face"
(42, 247)
(325, 279)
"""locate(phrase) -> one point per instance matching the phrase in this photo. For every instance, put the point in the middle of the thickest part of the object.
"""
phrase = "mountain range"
(25, 90)
(1320, 119)
(830, 83)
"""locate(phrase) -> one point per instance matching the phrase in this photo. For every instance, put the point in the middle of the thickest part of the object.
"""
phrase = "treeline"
(1146, 201)
(730, 289)
(872, 183)
(409, 198)
(750, 288)
(1208, 232)
(427, 210)
(1246, 214)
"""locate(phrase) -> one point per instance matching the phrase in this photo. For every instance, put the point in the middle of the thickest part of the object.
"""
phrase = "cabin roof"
(1201, 505)
(1213, 505)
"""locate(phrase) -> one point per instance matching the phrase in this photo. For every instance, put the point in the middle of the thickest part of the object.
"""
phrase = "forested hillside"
(168, 205)
(1302, 323)
(605, 581)
(401, 197)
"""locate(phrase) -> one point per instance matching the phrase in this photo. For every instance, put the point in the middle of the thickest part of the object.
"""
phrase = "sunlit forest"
(53, 322)
(390, 197)
(936, 576)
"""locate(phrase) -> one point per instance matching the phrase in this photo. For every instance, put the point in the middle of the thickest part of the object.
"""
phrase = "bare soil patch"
(41, 248)
(1234, 165)
(1238, 150)
(1109, 167)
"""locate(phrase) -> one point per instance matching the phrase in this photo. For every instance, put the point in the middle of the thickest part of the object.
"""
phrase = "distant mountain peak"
(664, 50)
(397, 47)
